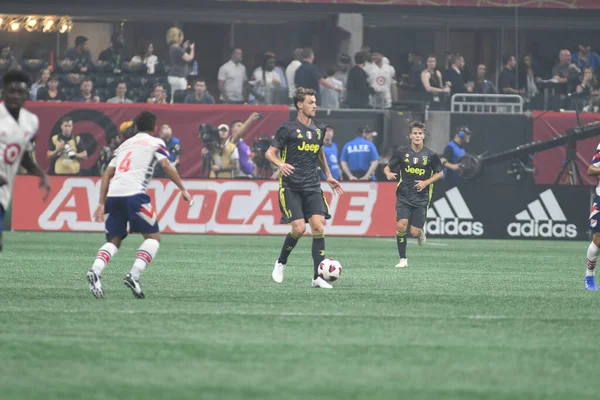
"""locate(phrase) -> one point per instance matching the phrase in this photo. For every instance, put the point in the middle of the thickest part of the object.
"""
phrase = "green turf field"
(466, 320)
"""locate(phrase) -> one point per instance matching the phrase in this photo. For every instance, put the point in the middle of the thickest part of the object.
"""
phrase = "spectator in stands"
(146, 56)
(120, 93)
(360, 157)
(482, 85)
(200, 95)
(233, 79)
(431, 78)
(51, 91)
(290, 72)
(8, 60)
(66, 150)
(159, 95)
(308, 76)
(358, 90)
(585, 57)
(331, 154)
(383, 81)
(454, 74)
(528, 78)
(265, 82)
(330, 99)
(416, 68)
(566, 72)
(79, 58)
(180, 55)
(86, 95)
(507, 81)
(282, 92)
(114, 54)
(40, 83)
(589, 90)
(341, 74)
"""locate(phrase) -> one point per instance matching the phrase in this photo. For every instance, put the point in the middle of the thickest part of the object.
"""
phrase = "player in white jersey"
(594, 247)
(18, 128)
(123, 200)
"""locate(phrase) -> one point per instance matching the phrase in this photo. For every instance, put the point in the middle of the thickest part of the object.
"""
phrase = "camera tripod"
(570, 167)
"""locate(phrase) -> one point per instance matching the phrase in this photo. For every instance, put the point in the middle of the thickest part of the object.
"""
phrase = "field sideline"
(469, 319)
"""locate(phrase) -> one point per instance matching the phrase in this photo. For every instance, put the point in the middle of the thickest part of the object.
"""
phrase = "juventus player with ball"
(123, 200)
(18, 128)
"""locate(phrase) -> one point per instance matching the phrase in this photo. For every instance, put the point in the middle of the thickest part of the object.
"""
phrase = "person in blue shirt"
(331, 154)
(360, 157)
(585, 57)
(174, 148)
(453, 152)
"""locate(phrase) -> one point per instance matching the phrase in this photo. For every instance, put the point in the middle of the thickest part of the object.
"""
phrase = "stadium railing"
(475, 103)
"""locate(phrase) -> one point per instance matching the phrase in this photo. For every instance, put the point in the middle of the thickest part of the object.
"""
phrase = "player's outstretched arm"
(174, 176)
(31, 166)
(271, 155)
(108, 175)
(593, 170)
(335, 185)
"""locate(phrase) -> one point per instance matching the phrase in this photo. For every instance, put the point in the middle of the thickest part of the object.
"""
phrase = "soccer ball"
(330, 269)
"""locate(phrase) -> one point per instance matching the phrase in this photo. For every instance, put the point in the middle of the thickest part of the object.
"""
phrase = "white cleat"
(321, 283)
(278, 271)
(95, 284)
(422, 238)
(403, 263)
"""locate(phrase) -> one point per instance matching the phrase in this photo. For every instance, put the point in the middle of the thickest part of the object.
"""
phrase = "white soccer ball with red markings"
(330, 269)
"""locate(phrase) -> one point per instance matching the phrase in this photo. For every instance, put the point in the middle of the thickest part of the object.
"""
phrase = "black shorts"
(415, 215)
(298, 204)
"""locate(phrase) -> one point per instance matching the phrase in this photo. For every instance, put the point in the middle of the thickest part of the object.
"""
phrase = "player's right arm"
(280, 140)
(108, 175)
(394, 161)
(174, 176)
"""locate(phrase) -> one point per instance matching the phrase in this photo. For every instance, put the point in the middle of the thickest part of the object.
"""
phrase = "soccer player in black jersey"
(300, 196)
(419, 168)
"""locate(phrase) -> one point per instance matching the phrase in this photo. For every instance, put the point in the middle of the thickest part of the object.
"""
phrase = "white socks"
(103, 257)
(145, 255)
(592, 257)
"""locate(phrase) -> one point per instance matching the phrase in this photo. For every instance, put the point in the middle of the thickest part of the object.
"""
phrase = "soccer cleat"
(134, 286)
(278, 271)
(403, 263)
(95, 284)
(422, 238)
(590, 283)
(321, 283)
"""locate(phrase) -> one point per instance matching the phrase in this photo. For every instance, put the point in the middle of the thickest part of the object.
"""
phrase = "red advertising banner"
(548, 164)
(225, 207)
(574, 4)
(94, 121)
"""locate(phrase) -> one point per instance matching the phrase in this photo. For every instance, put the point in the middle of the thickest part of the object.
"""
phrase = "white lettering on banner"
(242, 207)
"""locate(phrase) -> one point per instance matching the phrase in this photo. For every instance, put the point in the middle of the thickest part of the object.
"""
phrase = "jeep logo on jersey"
(543, 218)
(416, 171)
(309, 147)
(451, 216)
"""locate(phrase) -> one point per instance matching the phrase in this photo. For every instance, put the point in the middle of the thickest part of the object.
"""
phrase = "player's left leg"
(403, 213)
(316, 209)
(592, 256)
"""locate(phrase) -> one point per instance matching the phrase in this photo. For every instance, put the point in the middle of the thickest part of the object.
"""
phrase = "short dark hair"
(307, 53)
(199, 79)
(157, 84)
(87, 79)
(418, 125)
(454, 58)
(53, 77)
(301, 94)
(328, 127)
(16, 76)
(121, 82)
(65, 119)
(236, 121)
(145, 122)
(80, 40)
(331, 70)
(360, 57)
(506, 58)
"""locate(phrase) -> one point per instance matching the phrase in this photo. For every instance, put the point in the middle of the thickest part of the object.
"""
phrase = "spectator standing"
(566, 72)
(585, 57)
(86, 95)
(431, 78)
(331, 154)
(8, 60)
(114, 54)
(51, 91)
(40, 83)
(200, 95)
(308, 76)
(290, 72)
(360, 157)
(507, 81)
(454, 74)
(282, 91)
(66, 150)
(383, 81)
(233, 79)
(341, 74)
(482, 85)
(159, 95)
(358, 90)
(146, 56)
(180, 57)
(265, 82)
(120, 93)
(415, 68)
(79, 58)
(528, 78)
(330, 99)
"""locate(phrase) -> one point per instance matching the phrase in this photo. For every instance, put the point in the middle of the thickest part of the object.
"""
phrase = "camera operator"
(66, 150)
(238, 131)
(264, 169)
(453, 152)
(112, 142)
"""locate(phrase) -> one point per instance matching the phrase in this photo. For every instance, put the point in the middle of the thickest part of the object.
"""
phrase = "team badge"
(309, 135)
(415, 160)
(424, 160)
(318, 134)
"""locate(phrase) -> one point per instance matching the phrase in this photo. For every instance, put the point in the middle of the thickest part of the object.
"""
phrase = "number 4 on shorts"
(126, 163)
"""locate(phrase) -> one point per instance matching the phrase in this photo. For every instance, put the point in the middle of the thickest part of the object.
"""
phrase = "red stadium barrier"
(96, 120)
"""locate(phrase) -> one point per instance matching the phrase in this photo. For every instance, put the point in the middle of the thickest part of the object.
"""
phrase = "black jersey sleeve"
(395, 160)
(281, 137)
(436, 164)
